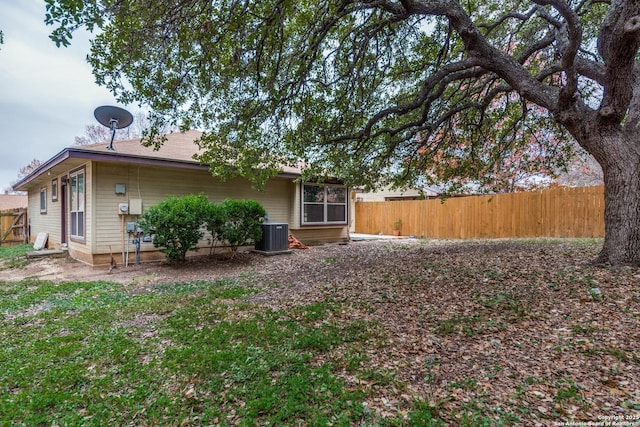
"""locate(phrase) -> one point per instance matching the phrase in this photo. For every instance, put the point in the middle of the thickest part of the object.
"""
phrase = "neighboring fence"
(13, 227)
(558, 212)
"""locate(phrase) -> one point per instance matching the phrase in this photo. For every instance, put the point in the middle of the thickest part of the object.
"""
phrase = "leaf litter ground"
(511, 332)
(525, 331)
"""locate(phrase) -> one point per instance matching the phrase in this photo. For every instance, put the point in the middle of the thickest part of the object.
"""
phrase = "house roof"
(177, 151)
(12, 201)
(179, 147)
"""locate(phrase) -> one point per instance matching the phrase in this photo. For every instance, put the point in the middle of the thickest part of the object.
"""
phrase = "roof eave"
(80, 153)
(54, 161)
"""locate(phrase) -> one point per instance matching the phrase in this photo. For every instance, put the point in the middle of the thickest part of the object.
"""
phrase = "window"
(54, 190)
(43, 200)
(76, 204)
(324, 204)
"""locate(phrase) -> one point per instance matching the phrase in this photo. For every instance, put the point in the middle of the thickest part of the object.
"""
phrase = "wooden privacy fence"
(13, 227)
(557, 212)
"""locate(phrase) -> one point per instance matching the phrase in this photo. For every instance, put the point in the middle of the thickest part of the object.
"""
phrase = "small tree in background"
(176, 224)
(95, 133)
(242, 220)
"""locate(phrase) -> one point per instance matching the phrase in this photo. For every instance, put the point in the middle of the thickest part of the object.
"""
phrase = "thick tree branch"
(591, 70)
(498, 62)
(536, 47)
(432, 89)
(618, 44)
(570, 37)
(510, 15)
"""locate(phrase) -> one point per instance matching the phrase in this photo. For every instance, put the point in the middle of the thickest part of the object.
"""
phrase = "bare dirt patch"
(299, 264)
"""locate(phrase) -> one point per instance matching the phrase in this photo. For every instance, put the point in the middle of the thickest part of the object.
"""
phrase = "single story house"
(86, 197)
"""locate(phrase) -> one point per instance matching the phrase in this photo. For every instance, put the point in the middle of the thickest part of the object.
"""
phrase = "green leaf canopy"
(373, 92)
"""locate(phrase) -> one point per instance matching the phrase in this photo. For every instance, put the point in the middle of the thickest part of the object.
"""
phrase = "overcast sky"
(47, 94)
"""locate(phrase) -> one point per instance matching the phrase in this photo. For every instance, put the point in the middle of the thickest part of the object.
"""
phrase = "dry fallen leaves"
(497, 327)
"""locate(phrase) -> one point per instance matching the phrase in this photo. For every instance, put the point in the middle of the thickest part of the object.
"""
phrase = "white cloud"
(48, 93)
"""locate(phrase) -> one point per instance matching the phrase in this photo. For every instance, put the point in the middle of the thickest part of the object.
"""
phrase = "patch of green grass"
(476, 412)
(524, 386)
(505, 302)
(470, 325)
(13, 251)
(330, 260)
(424, 414)
(453, 325)
(403, 247)
(618, 353)
(34, 296)
(467, 325)
(567, 391)
(189, 353)
(263, 362)
(497, 275)
(224, 289)
(13, 257)
(465, 384)
(583, 279)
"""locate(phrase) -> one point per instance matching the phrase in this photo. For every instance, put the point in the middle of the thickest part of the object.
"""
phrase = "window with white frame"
(43, 200)
(324, 204)
(54, 190)
(76, 204)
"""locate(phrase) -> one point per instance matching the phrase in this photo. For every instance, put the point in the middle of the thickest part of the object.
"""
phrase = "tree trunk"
(622, 205)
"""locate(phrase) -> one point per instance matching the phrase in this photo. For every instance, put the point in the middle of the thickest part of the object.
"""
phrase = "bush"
(214, 221)
(176, 224)
(242, 222)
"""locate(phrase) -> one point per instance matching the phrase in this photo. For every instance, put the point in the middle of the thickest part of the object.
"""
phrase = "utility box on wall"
(135, 207)
(275, 239)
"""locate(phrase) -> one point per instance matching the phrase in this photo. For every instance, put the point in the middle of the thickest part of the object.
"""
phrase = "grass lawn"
(506, 333)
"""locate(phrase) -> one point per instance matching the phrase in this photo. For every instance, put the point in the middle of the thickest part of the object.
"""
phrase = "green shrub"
(242, 220)
(176, 224)
(214, 220)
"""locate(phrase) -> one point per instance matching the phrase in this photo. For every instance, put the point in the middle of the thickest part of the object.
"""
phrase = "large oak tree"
(384, 91)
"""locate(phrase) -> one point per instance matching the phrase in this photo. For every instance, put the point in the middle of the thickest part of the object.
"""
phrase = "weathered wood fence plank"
(13, 226)
(556, 212)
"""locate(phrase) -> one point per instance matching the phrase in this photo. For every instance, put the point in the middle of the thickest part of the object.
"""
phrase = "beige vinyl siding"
(107, 224)
(48, 222)
(154, 184)
(312, 235)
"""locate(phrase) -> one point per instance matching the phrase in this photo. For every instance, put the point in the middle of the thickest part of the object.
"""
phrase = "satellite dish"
(114, 118)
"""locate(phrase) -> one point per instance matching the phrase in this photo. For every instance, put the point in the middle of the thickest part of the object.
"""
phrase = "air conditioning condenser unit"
(275, 239)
